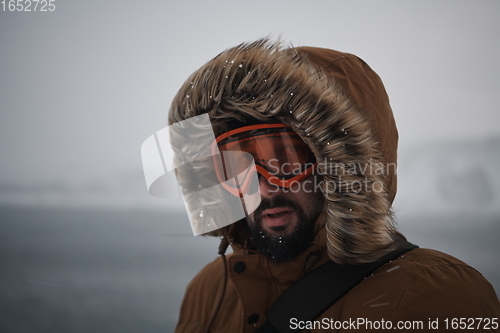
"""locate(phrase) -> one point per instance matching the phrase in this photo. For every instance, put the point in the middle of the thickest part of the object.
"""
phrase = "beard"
(281, 248)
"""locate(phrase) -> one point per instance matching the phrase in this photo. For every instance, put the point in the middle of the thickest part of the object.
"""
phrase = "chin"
(282, 230)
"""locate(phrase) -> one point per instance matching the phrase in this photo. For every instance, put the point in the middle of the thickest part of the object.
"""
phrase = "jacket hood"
(340, 108)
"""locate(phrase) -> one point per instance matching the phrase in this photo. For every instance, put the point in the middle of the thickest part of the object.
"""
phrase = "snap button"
(252, 319)
(239, 267)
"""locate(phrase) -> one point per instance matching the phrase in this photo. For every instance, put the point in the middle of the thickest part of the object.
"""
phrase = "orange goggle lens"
(273, 150)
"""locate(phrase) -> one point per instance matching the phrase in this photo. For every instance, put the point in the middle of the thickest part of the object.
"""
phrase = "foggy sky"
(82, 87)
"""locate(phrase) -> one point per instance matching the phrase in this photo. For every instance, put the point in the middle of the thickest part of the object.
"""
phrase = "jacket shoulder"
(419, 285)
(208, 277)
(200, 297)
(440, 285)
(427, 258)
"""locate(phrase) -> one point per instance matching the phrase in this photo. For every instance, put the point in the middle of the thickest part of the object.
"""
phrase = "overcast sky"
(82, 87)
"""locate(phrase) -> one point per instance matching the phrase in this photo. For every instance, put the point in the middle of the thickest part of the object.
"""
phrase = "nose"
(267, 189)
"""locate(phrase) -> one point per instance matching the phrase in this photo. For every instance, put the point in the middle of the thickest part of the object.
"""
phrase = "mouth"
(277, 217)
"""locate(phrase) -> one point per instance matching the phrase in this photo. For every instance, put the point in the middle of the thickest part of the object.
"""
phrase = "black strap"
(319, 289)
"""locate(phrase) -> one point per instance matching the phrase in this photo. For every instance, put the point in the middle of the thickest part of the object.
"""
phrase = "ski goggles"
(279, 153)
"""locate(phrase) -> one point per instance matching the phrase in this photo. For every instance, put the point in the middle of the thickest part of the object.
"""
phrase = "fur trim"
(263, 81)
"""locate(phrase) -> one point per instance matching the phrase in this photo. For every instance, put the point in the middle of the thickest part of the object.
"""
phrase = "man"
(321, 139)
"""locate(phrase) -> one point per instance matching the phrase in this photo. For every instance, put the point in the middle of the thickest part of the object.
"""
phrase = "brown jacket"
(419, 287)
(339, 106)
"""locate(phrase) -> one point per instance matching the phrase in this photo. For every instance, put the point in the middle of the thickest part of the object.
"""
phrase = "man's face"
(283, 225)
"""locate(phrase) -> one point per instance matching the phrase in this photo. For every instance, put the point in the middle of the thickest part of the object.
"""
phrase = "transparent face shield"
(183, 153)
(218, 177)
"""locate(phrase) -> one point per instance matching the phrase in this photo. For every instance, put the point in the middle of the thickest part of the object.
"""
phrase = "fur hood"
(338, 105)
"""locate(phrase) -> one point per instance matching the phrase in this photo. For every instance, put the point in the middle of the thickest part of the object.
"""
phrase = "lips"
(275, 217)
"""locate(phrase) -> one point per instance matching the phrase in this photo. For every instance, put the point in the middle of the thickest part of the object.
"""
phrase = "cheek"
(308, 186)
(312, 185)
(311, 195)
